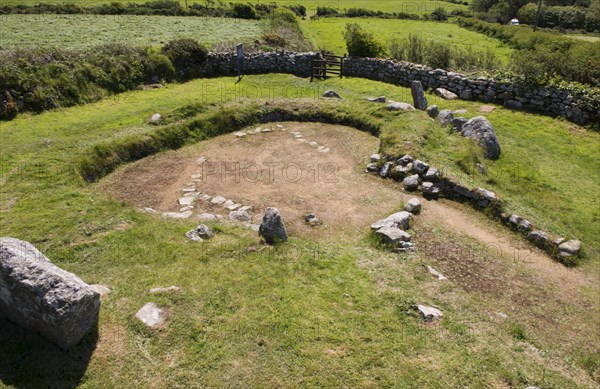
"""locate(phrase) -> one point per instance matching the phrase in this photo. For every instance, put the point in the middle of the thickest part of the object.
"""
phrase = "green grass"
(77, 31)
(328, 34)
(289, 317)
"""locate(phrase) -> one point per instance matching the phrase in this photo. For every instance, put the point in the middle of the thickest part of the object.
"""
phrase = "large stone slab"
(481, 130)
(41, 297)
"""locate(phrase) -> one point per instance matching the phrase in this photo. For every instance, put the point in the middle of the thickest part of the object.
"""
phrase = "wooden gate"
(330, 66)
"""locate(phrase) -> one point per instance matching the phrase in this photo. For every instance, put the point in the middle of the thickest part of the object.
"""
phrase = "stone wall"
(548, 100)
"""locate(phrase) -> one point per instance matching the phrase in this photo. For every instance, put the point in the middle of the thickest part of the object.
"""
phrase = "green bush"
(244, 11)
(8, 110)
(160, 65)
(440, 14)
(361, 43)
(187, 56)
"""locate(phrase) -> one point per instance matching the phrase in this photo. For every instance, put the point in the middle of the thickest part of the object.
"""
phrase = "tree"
(361, 43)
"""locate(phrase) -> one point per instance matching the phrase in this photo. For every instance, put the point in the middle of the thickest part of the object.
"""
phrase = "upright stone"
(418, 95)
(42, 297)
(272, 228)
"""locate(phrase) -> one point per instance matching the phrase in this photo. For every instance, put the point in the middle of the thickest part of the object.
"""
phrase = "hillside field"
(326, 310)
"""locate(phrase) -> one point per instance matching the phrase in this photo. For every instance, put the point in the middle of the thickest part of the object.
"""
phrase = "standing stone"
(418, 95)
(272, 228)
(42, 297)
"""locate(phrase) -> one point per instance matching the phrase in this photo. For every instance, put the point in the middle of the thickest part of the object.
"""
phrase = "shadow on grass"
(29, 361)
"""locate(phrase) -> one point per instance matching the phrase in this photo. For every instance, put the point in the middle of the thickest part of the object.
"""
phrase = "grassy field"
(328, 34)
(311, 6)
(76, 31)
(300, 315)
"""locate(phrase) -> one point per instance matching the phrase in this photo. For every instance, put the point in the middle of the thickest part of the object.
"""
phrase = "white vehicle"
(514, 22)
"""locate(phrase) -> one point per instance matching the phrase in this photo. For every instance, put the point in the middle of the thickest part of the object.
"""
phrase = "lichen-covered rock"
(405, 160)
(419, 167)
(42, 297)
(445, 94)
(539, 238)
(569, 248)
(272, 228)
(399, 107)
(429, 313)
(240, 216)
(380, 99)
(481, 130)
(393, 235)
(386, 169)
(200, 233)
(152, 316)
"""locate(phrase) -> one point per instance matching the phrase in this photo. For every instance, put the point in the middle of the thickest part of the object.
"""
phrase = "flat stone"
(156, 117)
(324, 150)
(152, 316)
(297, 135)
(209, 216)
(240, 216)
(432, 174)
(445, 94)
(429, 314)
(393, 235)
(383, 223)
(187, 190)
(186, 201)
(149, 210)
(200, 233)
(435, 273)
(218, 200)
(228, 203)
(539, 238)
(266, 130)
(233, 207)
(401, 219)
(240, 134)
(400, 107)
(405, 160)
(168, 289)
(331, 94)
(380, 99)
(430, 188)
(186, 208)
(246, 208)
(43, 298)
(486, 108)
(420, 167)
(313, 143)
(178, 215)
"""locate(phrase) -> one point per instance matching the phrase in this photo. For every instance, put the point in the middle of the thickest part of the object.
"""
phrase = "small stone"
(200, 233)
(218, 200)
(413, 206)
(324, 150)
(460, 111)
(375, 157)
(430, 189)
(228, 203)
(380, 99)
(538, 238)
(383, 223)
(246, 208)
(401, 219)
(186, 208)
(393, 235)
(411, 183)
(429, 314)
(486, 108)
(502, 315)
(168, 289)
(178, 215)
(373, 167)
(233, 207)
(419, 167)
(209, 216)
(188, 190)
(152, 316)
(571, 247)
(312, 219)
(435, 273)
(240, 134)
(156, 117)
(432, 175)
(314, 144)
(405, 160)
(240, 216)
(445, 117)
(485, 194)
(385, 169)
(266, 130)
(445, 94)
(331, 94)
(457, 123)
(297, 135)
(400, 107)
(149, 210)
(185, 201)
(433, 111)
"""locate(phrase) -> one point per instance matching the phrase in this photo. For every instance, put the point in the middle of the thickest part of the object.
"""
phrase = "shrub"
(8, 109)
(160, 65)
(361, 43)
(440, 14)
(186, 55)
(298, 9)
(326, 11)
(244, 11)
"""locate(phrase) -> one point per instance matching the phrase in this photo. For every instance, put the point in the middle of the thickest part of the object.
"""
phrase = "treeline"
(542, 56)
(562, 14)
(438, 14)
(158, 7)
